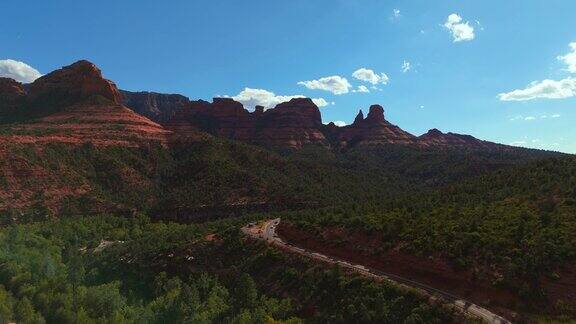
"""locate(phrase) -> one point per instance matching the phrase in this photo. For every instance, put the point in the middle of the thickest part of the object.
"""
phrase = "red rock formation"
(230, 120)
(156, 106)
(258, 110)
(435, 138)
(76, 105)
(186, 125)
(12, 94)
(373, 130)
(70, 85)
(359, 118)
(80, 89)
(291, 124)
(11, 89)
(376, 114)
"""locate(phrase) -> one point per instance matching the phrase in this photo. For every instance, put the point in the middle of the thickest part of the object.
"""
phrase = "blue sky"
(458, 65)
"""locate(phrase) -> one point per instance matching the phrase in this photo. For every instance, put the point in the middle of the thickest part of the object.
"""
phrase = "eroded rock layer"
(73, 105)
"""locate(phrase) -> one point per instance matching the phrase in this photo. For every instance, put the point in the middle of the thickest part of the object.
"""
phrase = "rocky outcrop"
(372, 130)
(79, 93)
(436, 138)
(291, 124)
(359, 118)
(75, 105)
(186, 124)
(258, 110)
(228, 118)
(375, 115)
(70, 85)
(155, 106)
(12, 94)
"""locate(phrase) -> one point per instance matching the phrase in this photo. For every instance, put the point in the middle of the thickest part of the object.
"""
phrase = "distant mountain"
(73, 144)
(292, 124)
(434, 137)
(372, 130)
(72, 136)
(79, 93)
(156, 106)
(74, 104)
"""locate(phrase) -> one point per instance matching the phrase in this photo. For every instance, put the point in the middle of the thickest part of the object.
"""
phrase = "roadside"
(267, 231)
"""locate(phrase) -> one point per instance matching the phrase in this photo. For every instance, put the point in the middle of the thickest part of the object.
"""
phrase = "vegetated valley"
(120, 206)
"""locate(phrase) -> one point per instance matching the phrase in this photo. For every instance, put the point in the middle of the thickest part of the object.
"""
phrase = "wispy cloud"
(361, 89)
(530, 118)
(406, 66)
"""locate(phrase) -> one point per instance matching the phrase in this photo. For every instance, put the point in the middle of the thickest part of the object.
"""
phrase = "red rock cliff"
(373, 130)
(72, 84)
(12, 95)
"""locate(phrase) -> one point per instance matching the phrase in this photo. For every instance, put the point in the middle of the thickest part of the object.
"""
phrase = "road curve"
(267, 232)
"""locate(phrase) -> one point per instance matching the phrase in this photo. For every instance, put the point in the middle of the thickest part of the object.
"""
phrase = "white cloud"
(362, 89)
(461, 31)
(251, 98)
(367, 75)
(548, 89)
(396, 13)
(406, 66)
(339, 123)
(530, 118)
(518, 143)
(422, 107)
(570, 58)
(18, 71)
(321, 102)
(335, 84)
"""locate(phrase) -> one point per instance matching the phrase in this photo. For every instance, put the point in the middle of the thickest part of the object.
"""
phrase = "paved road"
(267, 232)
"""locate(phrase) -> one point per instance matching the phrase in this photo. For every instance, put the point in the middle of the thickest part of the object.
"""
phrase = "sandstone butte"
(76, 105)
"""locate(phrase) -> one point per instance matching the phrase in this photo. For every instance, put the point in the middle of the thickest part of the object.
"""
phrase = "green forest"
(133, 247)
(107, 269)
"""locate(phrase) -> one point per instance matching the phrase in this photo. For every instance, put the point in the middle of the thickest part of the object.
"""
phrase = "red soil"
(100, 125)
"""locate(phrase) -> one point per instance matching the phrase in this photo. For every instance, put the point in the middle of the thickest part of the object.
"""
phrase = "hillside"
(489, 220)
(505, 238)
(68, 137)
